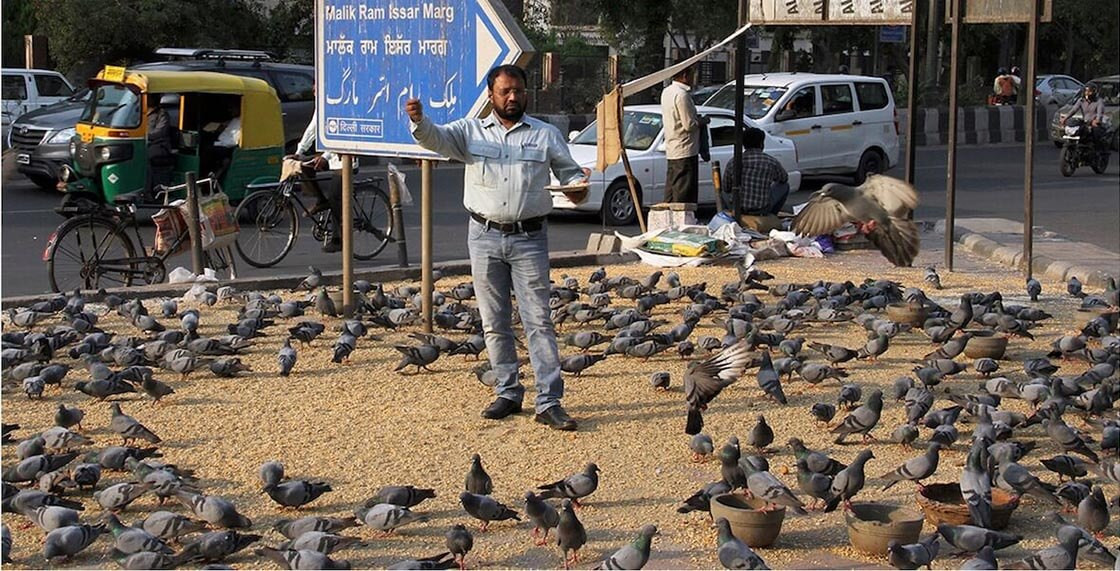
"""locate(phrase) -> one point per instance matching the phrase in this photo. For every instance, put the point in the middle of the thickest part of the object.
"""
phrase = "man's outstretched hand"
(415, 110)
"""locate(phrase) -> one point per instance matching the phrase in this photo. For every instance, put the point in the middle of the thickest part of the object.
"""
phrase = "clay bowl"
(753, 527)
(907, 313)
(336, 297)
(943, 503)
(1086, 314)
(871, 526)
(985, 343)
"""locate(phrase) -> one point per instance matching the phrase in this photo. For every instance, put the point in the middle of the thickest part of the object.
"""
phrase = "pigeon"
(169, 526)
(765, 486)
(976, 485)
(439, 561)
(570, 534)
(70, 540)
(760, 435)
(733, 552)
(932, 278)
(880, 208)
(985, 559)
(296, 493)
(971, 538)
(406, 496)
(577, 364)
(915, 469)
(228, 367)
(287, 358)
(418, 356)
(986, 366)
(1073, 287)
(1068, 439)
(1034, 288)
(294, 528)
(812, 483)
(635, 555)
(704, 380)
(311, 282)
(814, 373)
(155, 389)
(214, 510)
(1017, 480)
(477, 480)
(129, 428)
(904, 433)
(49, 518)
(321, 541)
(324, 304)
(862, 420)
(1067, 466)
(1090, 547)
(769, 381)
(344, 346)
(850, 394)
(913, 555)
(1062, 556)
(300, 559)
(459, 543)
(701, 446)
(823, 412)
(849, 481)
(574, 487)
(486, 509)
(659, 380)
(118, 496)
(386, 518)
(1092, 512)
(217, 545)
(834, 353)
(130, 540)
(543, 516)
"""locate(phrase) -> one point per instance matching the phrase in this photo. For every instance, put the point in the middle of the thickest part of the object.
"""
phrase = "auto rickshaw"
(109, 152)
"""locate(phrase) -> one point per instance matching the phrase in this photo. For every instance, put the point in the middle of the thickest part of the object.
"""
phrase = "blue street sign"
(371, 57)
(892, 34)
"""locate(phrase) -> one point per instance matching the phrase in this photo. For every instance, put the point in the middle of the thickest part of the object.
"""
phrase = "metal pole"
(740, 70)
(1028, 167)
(194, 228)
(426, 242)
(397, 230)
(912, 96)
(951, 174)
(347, 236)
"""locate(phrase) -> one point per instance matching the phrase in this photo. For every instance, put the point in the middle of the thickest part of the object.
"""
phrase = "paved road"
(1084, 208)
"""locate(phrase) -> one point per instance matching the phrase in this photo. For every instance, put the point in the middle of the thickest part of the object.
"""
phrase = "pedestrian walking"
(682, 139)
(508, 155)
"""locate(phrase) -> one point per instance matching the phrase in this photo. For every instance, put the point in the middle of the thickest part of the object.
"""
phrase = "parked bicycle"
(102, 246)
(270, 220)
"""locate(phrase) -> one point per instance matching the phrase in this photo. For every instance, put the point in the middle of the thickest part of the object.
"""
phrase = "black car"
(41, 138)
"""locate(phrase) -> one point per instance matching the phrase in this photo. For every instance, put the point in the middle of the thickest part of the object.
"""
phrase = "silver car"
(1055, 89)
(609, 193)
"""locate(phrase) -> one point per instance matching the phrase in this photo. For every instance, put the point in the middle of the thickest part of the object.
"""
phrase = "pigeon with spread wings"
(703, 381)
(880, 208)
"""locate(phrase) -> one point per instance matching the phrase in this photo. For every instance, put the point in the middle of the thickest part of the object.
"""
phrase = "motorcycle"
(1082, 148)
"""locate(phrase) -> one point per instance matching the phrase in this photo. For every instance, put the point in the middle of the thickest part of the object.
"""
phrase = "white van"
(29, 89)
(841, 124)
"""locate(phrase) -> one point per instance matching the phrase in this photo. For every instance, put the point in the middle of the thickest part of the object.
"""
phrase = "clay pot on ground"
(755, 528)
(871, 526)
(985, 343)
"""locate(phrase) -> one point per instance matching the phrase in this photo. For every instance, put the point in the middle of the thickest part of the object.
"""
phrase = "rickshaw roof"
(160, 81)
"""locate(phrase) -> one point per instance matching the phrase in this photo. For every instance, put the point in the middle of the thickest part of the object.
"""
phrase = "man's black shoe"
(501, 408)
(556, 419)
(320, 206)
(332, 247)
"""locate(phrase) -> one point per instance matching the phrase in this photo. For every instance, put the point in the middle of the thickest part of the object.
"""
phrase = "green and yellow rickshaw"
(109, 152)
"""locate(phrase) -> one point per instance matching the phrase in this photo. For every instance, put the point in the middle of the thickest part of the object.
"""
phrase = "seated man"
(228, 139)
(764, 182)
(161, 142)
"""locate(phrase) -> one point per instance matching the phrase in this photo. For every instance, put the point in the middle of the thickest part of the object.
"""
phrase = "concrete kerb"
(387, 274)
(1057, 270)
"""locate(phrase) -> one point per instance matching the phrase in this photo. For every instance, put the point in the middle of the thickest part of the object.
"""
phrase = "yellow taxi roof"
(160, 81)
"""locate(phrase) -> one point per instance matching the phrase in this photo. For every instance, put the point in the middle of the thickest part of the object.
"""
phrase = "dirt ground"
(360, 426)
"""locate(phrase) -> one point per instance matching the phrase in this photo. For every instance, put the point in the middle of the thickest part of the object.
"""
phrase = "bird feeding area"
(359, 426)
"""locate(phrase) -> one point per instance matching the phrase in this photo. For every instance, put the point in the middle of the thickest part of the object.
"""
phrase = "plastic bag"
(398, 178)
(171, 227)
(217, 223)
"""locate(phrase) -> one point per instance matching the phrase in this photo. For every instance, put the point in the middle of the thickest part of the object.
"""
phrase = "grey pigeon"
(915, 469)
(733, 552)
(976, 485)
(294, 528)
(765, 486)
(701, 500)
(760, 435)
(635, 555)
(704, 380)
(70, 540)
(574, 487)
(311, 282)
(68, 416)
(6, 555)
(302, 559)
(814, 373)
(659, 380)
(324, 304)
(442, 560)
(271, 473)
(1092, 512)
(932, 278)
(1073, 287)
(834, 353)
(879, 207)
(407, 496)
(863, 419)
(118, 496)
(388, 517)
(129, 428)
(217, 545)
(1017, 480)
(874, 348)
(769, 381)
(570, 534)
(1065, 465)
(486, 509)
(296, 493)
(577, 364)
(543, 516)
(904, 433)
(49, 518)
(477, 480)
(701, 446)
(321, 541)
(130, 540)
(971, 538)
(1068, 439)
(984, 560)
(913, 555)
(170, 526)
(459, 542)
(1062, 556)
(214, 510)
(1034, 288)
(986, 366)
(156, 389)
(418, 356)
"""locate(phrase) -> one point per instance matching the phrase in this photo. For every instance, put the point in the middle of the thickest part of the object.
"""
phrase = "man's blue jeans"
(501, 263)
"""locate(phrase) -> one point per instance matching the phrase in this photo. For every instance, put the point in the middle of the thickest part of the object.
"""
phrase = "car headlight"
(62, 136)
(1072, 129)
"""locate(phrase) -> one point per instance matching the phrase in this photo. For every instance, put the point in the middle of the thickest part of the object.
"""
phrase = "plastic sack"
(217, 223)
(171, 227)
(398, 178)
(180, 275)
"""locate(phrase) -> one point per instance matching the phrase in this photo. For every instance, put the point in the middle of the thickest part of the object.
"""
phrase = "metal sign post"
(1028, 167)
(911, 97)
(426, 242)
(347, 236)
(194, 229)
(951, 172)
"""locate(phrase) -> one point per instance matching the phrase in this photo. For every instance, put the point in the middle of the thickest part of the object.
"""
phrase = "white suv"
(29, 89)
(841, 124)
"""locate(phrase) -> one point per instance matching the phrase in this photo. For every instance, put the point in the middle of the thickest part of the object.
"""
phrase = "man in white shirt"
(682, 139)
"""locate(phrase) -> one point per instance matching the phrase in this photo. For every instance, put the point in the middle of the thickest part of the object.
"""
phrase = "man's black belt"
(528, 225)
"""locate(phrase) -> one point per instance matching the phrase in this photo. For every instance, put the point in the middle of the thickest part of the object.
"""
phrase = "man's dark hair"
(510, 70)
(754, 138)
(683, 72)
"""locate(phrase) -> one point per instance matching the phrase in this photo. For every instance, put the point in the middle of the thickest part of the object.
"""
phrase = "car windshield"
(640, 128)
(757, 99)
(113, 106)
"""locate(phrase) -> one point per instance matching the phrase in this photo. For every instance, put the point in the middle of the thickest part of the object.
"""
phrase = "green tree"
(18, 20)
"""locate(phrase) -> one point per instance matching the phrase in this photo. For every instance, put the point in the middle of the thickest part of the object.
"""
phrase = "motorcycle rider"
(1091, 108)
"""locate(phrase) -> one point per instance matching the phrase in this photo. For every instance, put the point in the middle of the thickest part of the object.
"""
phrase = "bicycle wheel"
(269, 227)
(88, 252)
(373, 221)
